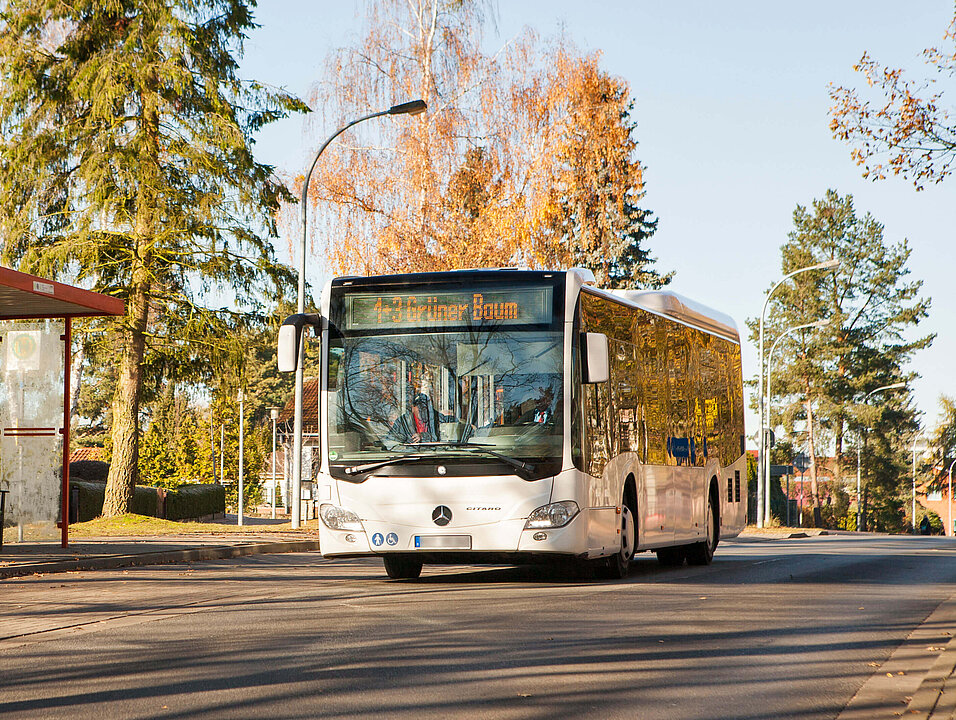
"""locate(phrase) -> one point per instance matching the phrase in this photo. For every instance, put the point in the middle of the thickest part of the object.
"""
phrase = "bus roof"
(671, 304)
(463, 275)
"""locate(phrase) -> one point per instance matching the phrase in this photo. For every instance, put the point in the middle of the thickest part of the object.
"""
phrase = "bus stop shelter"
(35, 360)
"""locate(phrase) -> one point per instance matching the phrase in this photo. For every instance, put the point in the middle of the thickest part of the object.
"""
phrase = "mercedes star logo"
(441, 515)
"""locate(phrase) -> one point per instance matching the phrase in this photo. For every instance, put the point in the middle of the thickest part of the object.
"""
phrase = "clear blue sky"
(731, 105)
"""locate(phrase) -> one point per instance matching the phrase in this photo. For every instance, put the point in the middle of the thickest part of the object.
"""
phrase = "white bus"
(515, 416)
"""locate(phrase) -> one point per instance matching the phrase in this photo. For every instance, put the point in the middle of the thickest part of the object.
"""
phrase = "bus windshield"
(437, 392)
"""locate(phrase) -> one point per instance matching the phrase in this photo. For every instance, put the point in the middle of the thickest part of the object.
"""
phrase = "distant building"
(284, 439)
(87, 453)
(935, 496)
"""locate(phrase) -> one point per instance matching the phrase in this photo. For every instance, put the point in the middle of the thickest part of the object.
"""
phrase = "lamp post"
(274, 414)
(766, 461)
(763, 505)
(859, 497)
(212, 445)
(222, 454)
(415, 107)
(241, 398)
(921, 433)
(950, 529)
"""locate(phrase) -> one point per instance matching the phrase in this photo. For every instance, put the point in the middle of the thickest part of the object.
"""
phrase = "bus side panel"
(688, 487)
(655, 514)
(732, 489)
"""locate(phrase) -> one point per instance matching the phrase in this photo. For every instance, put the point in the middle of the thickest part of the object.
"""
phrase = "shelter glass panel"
(31, 420)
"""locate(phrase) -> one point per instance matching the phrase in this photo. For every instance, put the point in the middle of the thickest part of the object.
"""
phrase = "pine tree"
(126, 162)
(825, 374)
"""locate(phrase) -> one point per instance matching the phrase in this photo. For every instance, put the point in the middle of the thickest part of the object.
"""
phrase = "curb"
(931, 702)
(916, 680)
(770, 538)
(212, 552)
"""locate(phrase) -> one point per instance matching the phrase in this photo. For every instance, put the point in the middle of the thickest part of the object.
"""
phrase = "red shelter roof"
(25, 296)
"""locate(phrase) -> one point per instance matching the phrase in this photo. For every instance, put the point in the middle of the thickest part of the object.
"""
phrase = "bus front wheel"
(617, 565)
(400, 567)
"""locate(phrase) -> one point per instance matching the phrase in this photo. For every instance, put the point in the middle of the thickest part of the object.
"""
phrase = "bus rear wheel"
(401, 567)
(701, 553)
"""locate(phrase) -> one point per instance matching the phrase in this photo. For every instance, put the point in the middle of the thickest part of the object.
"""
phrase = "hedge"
(89, 470)
(89, 497)
(192, 501)
(186, 502)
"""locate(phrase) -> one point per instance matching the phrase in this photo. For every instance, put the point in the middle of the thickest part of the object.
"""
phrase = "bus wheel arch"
(702, 553)
(616, 566)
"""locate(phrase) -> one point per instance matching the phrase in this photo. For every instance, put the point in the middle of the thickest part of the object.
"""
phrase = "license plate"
(443, 542)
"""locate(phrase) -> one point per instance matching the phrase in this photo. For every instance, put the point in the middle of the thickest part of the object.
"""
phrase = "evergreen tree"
(825, 374)
(126, 162)
(944, 438)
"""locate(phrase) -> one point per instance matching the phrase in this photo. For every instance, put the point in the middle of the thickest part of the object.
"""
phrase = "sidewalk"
(753, 534)
(90, 553)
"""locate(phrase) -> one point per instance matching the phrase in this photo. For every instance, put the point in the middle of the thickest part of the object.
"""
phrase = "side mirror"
(290, 336)
(595, 356)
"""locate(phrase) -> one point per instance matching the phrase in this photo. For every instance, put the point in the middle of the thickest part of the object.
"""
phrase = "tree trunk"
(124, 465)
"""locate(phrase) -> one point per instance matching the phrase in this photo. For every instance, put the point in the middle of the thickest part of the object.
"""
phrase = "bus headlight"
(337, 518)
(554, 515)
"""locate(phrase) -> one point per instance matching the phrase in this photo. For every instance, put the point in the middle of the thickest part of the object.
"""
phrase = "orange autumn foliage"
(908, 131)
(482, 179)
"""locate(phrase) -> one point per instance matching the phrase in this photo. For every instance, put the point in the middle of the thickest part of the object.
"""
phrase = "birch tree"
(525, 157)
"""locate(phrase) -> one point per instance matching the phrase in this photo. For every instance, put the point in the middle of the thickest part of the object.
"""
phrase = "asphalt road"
(773, 629)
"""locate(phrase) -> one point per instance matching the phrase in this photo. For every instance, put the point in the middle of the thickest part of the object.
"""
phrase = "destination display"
(514, 306)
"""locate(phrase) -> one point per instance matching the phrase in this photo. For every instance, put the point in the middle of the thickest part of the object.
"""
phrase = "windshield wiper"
(526, 468)
(368, 467)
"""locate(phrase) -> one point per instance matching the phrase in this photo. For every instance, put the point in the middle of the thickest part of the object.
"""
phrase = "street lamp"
(763, 506)
(920, 434)
(950, 530)
(859, 497)
(274, 414)
(222, 453)
(866, 430)
(415, 107)
(241, 398)
(766, 460)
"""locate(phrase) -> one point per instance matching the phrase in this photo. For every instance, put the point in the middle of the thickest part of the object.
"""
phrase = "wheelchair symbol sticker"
(377, 539)
(391, 539)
